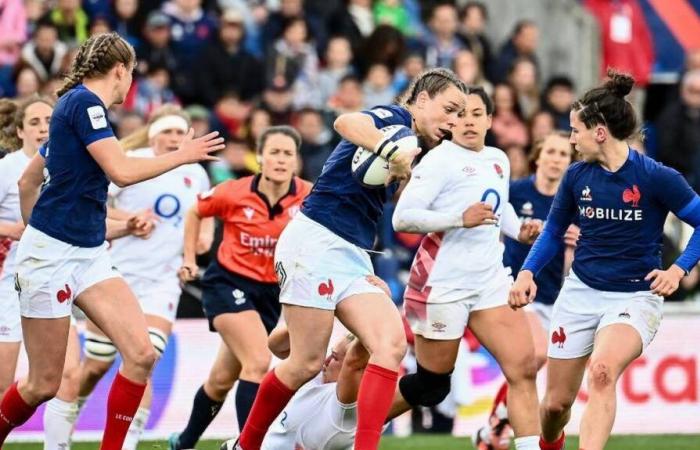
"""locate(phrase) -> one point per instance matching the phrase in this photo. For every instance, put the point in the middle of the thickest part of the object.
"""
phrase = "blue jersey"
(621, 215)
(529, 203)
(72, 204)
(339, 202)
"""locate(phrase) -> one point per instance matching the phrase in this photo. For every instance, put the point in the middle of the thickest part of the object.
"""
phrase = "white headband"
(172, 122)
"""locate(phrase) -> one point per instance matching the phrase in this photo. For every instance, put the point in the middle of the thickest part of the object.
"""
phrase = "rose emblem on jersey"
(632, 196)
(188, 182)
(498, 169)
(559, 337)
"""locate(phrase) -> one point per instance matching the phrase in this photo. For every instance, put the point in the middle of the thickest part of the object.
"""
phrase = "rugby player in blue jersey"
(322, 261)
(610, 306)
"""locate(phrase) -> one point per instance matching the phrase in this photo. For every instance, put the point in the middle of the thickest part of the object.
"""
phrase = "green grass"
(442, 442)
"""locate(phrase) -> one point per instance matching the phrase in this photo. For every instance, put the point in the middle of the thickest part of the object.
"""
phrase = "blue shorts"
(226, 292)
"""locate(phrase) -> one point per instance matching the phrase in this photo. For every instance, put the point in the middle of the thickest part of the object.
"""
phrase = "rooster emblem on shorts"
(64, 294)
(559, 337)
(326, 289)
(632, 196)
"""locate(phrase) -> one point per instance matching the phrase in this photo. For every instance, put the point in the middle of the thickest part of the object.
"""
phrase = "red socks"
(501, 397)
(556, 445)
(269, 402)
(373, 403)
(14, 411)
(122, 403)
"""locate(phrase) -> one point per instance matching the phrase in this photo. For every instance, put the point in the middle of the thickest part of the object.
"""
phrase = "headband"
(171, 122)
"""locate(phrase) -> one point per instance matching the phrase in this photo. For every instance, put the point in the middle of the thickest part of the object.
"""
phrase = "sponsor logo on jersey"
(559, 337)
(249, 212)
(259, 245)
(469, 170)
(439, 327)
(623, 215)
(586, 195)
(527, 209)
(98, 118)
(632, 196)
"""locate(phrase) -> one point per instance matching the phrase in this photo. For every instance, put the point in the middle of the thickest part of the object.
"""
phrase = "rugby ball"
(371, 170)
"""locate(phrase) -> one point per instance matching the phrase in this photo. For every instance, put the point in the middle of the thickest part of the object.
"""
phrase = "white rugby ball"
(371, 170)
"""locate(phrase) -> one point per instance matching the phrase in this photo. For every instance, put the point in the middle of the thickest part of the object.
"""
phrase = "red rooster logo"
(632, 195)
(64, 294)
(326, 289)
(558, 337)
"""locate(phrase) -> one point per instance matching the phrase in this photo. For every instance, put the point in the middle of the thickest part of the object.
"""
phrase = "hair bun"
(619, 84)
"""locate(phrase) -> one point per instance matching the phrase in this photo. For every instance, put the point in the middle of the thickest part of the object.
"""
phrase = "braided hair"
(97, 56)
(433, 81)
(606, 105)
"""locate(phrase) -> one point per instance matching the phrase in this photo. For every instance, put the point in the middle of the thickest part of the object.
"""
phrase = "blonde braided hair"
(97, 56)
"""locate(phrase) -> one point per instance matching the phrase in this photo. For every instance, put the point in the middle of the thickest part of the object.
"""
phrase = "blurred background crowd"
(238, 66)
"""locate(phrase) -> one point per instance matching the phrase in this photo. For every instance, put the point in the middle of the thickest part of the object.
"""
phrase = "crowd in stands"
(238, 66)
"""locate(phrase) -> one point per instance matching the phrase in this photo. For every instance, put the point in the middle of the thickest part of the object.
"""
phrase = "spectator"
(679, 130)
(411, 67)
(235, 161)
(191, 30)
(557, 99)
(123, 20)
(354, 20)
(386, 45)
(441, 42)
(35, 10)
(541, 124)
(150, 93)
(27, 82)
(472, 31)
(71, 21)
(348, 98)
(508, 126)
(274, 28)
(45, 53)
(338, 58)
(156, 50)
(258, 119)
(13, 31)
(229, 66)
(522, 44)
(523, 77)
(293, 61)
(519, 165)
(200, 118)
(315, 142)
(129, 123)
(99, 25)
(232, 112)
(468, 69)
(52, 85)
(277, 100)
(378, 88)
(393, 13)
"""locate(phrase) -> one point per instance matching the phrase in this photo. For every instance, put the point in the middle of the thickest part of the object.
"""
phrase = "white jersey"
(169, 196)
(11, 168)
(314, 420)
(447, 181)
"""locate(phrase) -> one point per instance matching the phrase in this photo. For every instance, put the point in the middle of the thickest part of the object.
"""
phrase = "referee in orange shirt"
(240, 290)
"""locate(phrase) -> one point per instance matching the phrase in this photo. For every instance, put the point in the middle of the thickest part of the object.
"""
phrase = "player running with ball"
(321, 261)
(610, 306)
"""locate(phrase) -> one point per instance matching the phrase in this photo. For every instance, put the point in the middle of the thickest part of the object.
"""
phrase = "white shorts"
(157, 298)
(581, 311)
(543, 311)
(52, 273)
(318, 269)
(443, 313)
(10, 325)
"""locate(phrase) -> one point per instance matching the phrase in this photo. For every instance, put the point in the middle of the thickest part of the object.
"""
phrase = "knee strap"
(425, 388)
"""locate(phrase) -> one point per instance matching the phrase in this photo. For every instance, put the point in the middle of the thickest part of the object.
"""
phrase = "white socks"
(527, 443)
(59, 419)
(136, 428)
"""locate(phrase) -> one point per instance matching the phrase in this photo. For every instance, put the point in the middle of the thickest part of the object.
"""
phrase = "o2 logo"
(493, 198)
(168, 206)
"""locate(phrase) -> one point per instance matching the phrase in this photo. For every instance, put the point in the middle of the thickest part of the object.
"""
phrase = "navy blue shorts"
(225, 292)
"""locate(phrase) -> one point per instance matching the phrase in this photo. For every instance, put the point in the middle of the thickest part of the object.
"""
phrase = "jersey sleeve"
(90, 119)
(673, 190)
(384, 116)
(215, 202)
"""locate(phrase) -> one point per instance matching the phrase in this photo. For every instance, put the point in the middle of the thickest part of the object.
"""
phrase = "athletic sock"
(272, 397)
(556, 445)
(122, 403)
(14, 411)
(501, 398)
(245, 396)
(373, 402)
(136, 429)
(527, 443)
(59, 420)
(204, 410)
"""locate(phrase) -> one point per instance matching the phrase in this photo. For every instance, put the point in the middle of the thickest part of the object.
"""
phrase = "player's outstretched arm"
(124, 171)
(29, 186)
(189, 269)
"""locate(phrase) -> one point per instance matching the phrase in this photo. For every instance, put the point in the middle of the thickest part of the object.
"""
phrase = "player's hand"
(665, 281)
(530, 230)
(400, 165)
(523, 291)
(479, 214)
(188, 271)
(15, 230)
(200, 149)
(571, 236)
(378, 282)
(142, 224)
